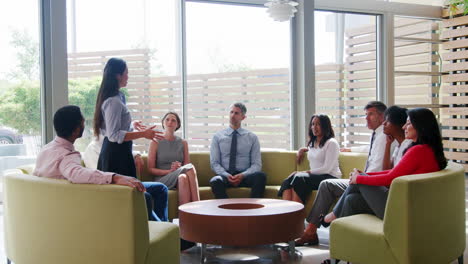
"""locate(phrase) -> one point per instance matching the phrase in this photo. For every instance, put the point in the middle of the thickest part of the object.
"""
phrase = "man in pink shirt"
(60, 160)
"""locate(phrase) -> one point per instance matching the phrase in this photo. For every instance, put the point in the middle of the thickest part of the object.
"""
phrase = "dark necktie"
(370, 150)
(233, 153)
(122, 97)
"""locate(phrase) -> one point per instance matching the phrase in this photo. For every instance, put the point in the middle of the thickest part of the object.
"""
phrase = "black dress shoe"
(307, 240)
(322, 221)
(328, 261)
(185, 244)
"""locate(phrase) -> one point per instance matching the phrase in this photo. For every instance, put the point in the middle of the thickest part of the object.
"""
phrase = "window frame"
(53, 64)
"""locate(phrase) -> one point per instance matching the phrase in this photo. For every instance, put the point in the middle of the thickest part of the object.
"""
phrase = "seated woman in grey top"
(169, 161)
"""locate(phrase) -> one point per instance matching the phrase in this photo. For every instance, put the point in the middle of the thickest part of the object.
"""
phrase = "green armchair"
(424, 223)
(54, 221)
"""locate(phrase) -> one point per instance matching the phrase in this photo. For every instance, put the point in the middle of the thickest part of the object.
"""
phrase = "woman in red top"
(368, 193)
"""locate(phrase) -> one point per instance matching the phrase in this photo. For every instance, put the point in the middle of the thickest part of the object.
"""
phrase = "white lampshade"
(281, 10)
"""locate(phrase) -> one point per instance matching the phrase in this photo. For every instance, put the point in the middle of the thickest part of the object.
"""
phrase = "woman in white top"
(322, 153)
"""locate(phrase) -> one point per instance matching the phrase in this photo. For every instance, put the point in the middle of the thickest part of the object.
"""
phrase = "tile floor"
(261, 254)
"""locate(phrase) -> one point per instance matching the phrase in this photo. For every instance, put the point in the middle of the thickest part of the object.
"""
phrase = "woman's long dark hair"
(327, 130)
(109, 87)
(427, 127)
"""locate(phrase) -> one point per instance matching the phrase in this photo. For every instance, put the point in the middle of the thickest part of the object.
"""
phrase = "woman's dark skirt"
(118, 158)
(303, 186)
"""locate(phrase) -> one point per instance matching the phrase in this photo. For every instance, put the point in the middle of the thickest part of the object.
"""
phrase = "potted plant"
(456, 7)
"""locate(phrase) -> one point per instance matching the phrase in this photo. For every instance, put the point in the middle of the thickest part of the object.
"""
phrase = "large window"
(346, 72)
(231, 60)
(237, 53)
(141, 32)
(20, 113)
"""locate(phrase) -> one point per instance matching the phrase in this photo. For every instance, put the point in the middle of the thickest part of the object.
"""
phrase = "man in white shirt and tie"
(376, 149)
(374, 117)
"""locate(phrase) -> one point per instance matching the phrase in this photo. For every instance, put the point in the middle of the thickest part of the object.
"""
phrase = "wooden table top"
(241, 207)
(241, 222)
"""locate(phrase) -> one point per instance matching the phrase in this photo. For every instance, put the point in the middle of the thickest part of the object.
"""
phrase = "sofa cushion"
(173, 204)
(162, 238)
(201, 161)
(350, 160)
(241, 192)
(278, 165)
(27, 169)
(144, 175)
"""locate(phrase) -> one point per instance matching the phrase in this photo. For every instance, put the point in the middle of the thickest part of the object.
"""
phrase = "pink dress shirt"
(60, 160)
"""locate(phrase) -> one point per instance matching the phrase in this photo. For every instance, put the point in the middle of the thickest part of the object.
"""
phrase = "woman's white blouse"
(324, 160)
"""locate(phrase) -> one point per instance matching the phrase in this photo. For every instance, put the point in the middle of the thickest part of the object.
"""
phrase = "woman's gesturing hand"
(151, 134)
(138, 126)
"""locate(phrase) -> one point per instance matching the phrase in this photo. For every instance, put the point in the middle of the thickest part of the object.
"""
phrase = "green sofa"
(424, 223)
(54, 221)
(277, 166)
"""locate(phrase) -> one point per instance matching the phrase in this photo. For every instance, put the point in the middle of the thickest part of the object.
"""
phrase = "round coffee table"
(241, 222)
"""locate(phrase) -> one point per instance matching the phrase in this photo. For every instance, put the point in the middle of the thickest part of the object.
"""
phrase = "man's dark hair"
(66, 120)
(379, 106)
(396, 115)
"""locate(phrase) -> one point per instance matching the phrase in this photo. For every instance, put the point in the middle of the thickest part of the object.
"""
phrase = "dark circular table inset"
(241, 222)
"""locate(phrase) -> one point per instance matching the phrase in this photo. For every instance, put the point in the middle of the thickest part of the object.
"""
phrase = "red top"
(418, 159)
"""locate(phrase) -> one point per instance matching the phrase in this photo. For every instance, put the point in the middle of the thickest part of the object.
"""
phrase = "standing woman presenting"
(112, 120)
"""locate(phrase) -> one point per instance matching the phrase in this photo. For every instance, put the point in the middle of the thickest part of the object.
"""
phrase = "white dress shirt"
(375, 159)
